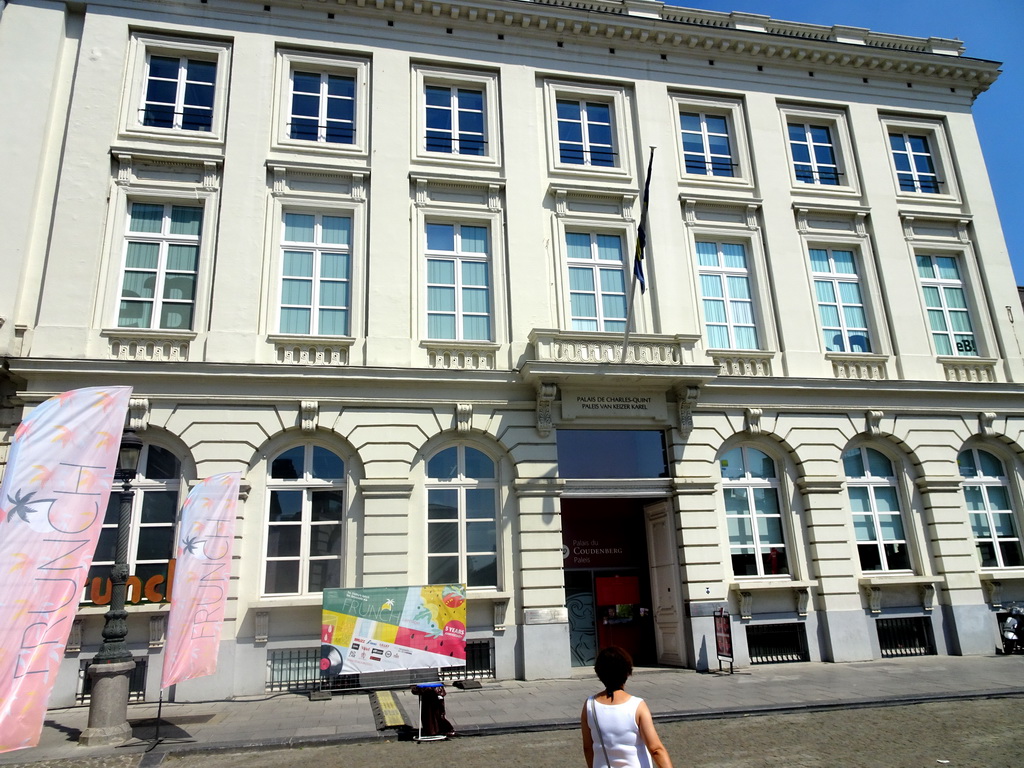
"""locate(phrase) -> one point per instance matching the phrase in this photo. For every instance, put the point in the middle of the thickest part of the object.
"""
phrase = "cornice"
(651, 24)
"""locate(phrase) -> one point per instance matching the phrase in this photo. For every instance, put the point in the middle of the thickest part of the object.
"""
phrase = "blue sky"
(990, 29)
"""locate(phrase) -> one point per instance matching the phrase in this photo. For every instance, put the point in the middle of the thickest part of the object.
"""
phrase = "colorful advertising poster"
(52, 500)
(387, 628)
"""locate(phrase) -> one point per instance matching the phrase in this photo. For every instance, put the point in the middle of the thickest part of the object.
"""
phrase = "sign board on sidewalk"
(723, 637)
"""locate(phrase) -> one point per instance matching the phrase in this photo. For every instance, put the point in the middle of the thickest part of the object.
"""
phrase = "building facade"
(378, 257)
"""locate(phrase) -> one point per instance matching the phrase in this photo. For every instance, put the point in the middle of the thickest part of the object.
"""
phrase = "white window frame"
(987, 481)
(842, 148)
(318, 248)
(308, 486)
(618, 101)
(939, 284)
(487, 84)
(935, 133)
(834, 279)
(723, 273)
(731, 110)
(289, 62)
(872, 483)
(750, 484)
(596, 266)
(458, 257)
(461, 484)
(142, 47)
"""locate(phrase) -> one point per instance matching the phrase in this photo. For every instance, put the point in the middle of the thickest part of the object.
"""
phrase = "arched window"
(306, 507)
(462, 517)
(155, 504)
(987, 492)
(751, 489)
(877, 515)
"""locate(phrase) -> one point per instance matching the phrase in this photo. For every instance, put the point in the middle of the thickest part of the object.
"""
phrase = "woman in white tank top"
(618, 731)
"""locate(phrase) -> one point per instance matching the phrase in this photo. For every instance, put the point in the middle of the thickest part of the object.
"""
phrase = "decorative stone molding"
(157, 630)
(152, 347)
(180, 171)
(500, 612)
(385, 488)
(748, 590)
(970, 370)
(463, 417)
(743, 363)
(430, 190)
(571, 200)
(927, 596)
(860, 367)
(874, 596)
(686, 400)
(75, 638)
(874, 587)
(309, 413)
(584, 347)
(809, 485)
(994, 589)
(746, 605)
(261, 633)
(461, 356)
(985, 421)
(702, 210)
(872, 423)
(138, 413)
(546, 394)
(300, 178)
(290, 351)
(802, 595)
(752, 421)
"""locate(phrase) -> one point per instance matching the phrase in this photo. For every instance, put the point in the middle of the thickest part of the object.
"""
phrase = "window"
(875, 504)
(725, 296)
(707, 149)
(597, 282)
(751, 489)
(915, 169)
(161, 259)
(179, 93)
(458, 282)
(322, 107)
(946, 304)
(987, 492)
(455, 120)
(154, 515)
(585, 133)
(316, 274)
(304, 521)
(844, 324)
(462, 516)
(814, 154)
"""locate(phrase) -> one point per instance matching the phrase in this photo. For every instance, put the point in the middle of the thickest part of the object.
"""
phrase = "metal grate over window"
(136, 684)
(777, 643)
(905, 637)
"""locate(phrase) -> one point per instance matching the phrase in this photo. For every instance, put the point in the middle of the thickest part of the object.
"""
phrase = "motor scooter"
(1013, 631)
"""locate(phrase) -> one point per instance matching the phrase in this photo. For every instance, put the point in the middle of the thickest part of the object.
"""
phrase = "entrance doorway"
(607, 578)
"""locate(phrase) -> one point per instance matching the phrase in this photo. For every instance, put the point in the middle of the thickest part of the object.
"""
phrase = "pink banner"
(52, 502)
(201, 575)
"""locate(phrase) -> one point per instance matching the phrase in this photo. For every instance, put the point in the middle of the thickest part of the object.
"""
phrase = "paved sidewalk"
(281, 720)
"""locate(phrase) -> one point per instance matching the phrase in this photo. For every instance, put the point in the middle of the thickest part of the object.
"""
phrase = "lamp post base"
(108, 710)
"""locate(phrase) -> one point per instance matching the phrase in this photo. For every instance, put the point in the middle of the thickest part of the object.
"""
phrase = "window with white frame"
(812, 147)
(726, 297)
(458, 281)
(945, 301)
(160, 266)
(462, 518)
(305, 515)
(154, 515)
(841, 306)
(707, 146)
(322, 107)
(877, 513)
(914, 161)
(750, 488)
(597, 281)
(993, 519)
(316, 274)
(455, 119)
(586, 134)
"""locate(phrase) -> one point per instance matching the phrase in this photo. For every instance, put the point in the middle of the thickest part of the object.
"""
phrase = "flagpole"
(638, 256)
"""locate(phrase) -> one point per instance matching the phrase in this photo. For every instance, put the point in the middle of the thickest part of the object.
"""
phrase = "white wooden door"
(663, 557)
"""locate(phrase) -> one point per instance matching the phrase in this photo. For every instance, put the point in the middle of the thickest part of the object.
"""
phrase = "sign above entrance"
(620, 405)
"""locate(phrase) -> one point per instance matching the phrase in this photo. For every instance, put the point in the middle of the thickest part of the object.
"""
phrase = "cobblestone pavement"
(960, 734)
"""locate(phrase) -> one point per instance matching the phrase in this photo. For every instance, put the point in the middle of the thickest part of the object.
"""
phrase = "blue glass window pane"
(746, 338)
(444, 465)
(707, 254)
(295, 320)
(146, 217)
(441, 326)
(990, 465)
(819, 260)
(965, 463)
(718, 337)
(581, 279)
(711, 286)
(734, 256)
(440, 271)
(853, 463)
(864, 528)
(336, 230)
(611, 453)
(578, 245)
(859, 500)
(474, 239)
(441, 237)
(299, 227)
(327, 465)
(609, 247)
(480, 506)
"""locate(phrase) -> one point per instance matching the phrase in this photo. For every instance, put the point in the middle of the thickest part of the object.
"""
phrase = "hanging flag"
(641, 232)
(52, 502)
(202, 571)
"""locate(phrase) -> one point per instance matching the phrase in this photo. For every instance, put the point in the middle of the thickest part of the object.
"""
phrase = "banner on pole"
(52, 501)
(387, 628)
(202, 571)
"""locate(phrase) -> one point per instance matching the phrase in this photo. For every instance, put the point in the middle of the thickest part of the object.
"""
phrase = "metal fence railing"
(777, 643)
(910, 636)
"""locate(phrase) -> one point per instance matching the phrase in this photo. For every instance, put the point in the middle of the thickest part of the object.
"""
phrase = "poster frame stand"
(723, 638)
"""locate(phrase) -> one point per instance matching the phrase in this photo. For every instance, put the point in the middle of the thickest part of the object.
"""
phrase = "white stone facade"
(390, 348)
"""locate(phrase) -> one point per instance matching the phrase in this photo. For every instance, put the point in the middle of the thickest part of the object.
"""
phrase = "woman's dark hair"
(613, 666)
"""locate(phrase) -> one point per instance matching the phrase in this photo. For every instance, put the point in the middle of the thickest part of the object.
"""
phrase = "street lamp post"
(111, 668)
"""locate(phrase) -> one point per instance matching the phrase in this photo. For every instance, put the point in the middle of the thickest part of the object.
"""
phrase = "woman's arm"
(650, 737)
(588, 740)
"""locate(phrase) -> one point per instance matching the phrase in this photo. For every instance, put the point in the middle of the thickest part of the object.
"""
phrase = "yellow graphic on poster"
(385, 628)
